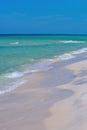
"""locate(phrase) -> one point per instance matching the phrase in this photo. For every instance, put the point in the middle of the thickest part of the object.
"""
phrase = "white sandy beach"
(37, 105)
(71, 113)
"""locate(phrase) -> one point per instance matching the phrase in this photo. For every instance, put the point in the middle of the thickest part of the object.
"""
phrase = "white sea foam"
(12, 87)
(66, 56)
(71, 41)
(70, 55)
(13, 75)
(14, 43)
(42, 65)
(80, 51)
(46, 63)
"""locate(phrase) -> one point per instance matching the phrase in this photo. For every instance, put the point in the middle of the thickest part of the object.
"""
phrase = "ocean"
(22, 55)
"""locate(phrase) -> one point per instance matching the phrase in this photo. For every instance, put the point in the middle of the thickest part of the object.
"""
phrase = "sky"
(46, 16)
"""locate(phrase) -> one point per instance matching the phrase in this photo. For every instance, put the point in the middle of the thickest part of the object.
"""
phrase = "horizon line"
(41, 34)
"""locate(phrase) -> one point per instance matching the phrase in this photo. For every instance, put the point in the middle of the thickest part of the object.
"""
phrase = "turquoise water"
(18, 50)
(19, 53)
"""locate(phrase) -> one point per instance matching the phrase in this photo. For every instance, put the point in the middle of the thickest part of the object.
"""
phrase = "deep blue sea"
(20, 55)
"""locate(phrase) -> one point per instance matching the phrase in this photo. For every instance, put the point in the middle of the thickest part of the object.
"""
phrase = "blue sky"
(47, 16)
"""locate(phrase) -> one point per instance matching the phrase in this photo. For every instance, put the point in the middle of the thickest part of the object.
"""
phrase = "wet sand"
(71, 113)
(27, 106)
(50, 100)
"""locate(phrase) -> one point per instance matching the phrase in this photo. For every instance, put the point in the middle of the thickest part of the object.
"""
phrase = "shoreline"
(35, 104)
(27, 106)
(44, 65)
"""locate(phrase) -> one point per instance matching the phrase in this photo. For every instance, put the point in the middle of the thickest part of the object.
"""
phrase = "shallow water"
(21, 55)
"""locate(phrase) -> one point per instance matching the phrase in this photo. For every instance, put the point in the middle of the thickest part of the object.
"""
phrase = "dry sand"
(71, 113)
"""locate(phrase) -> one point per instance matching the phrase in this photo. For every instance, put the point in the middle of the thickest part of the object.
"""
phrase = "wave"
(40, 43)
(71, 41)
(70, 55)
(42, 65)
(79, 51)
(14, 43)
(66, 56)
(12, 87)
(48, 42)
(13, 75)
(45, 64)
